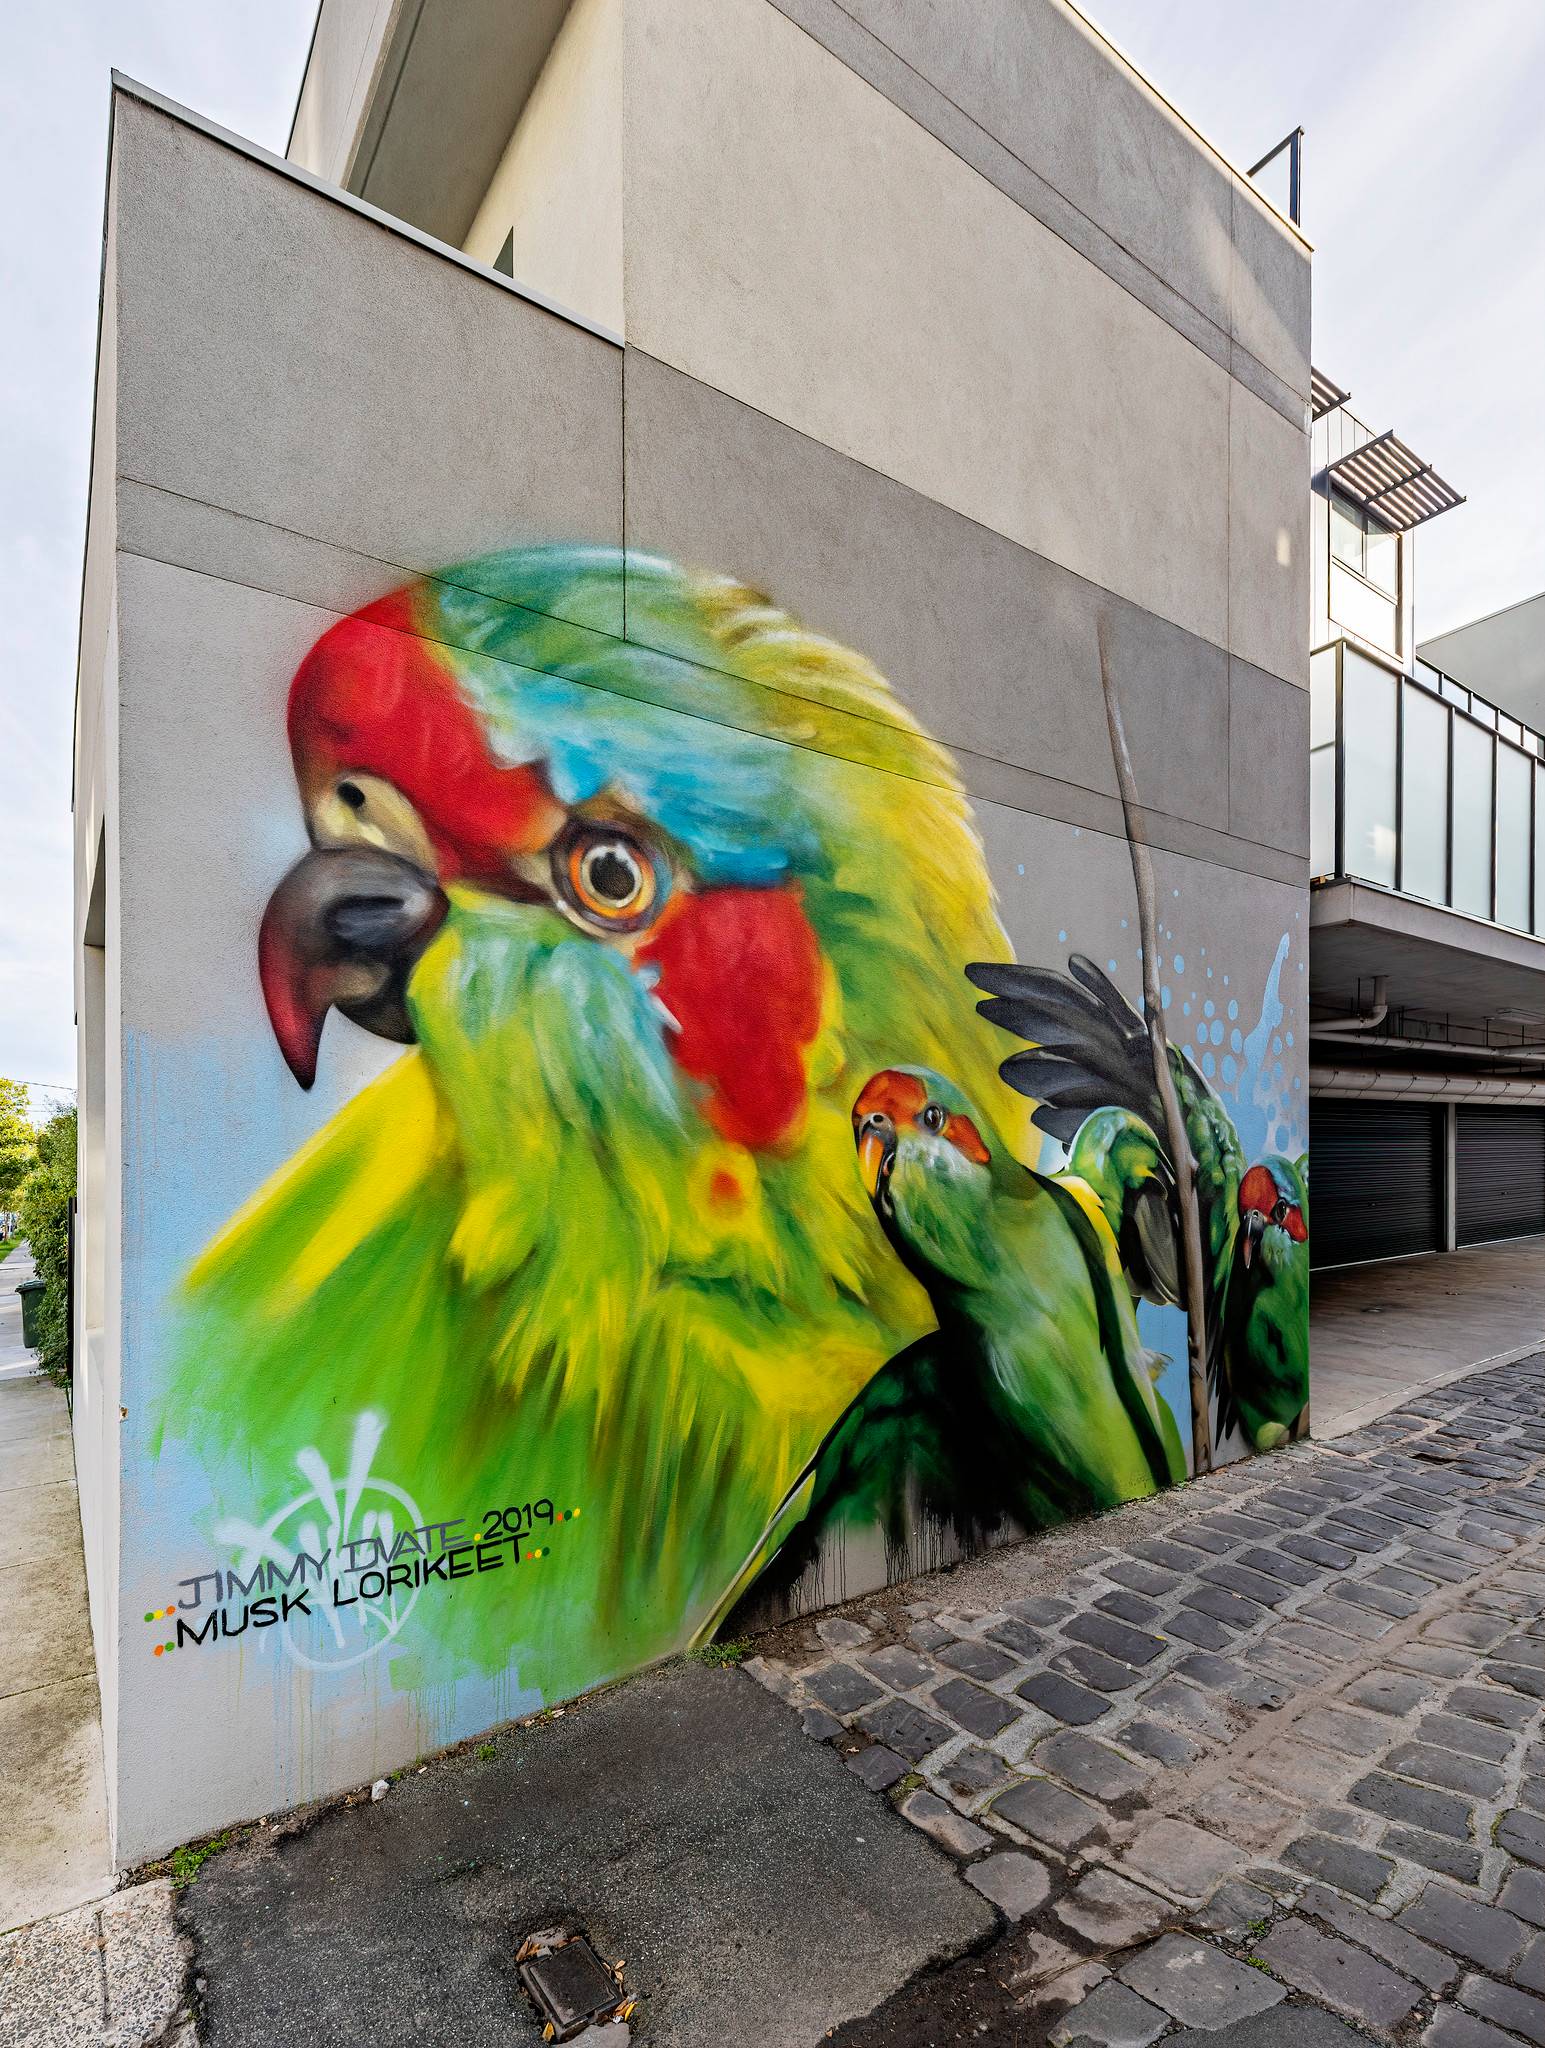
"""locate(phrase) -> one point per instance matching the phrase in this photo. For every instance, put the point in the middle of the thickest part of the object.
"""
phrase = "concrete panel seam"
(1166, 832)
(1265, 381)
(255, 153)
(899, 483)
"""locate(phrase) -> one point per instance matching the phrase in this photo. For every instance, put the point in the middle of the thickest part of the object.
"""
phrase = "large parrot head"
(650, 878)
(639, 898)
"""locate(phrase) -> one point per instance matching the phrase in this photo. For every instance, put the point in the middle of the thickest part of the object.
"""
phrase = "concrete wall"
(557, 194)
(1502, 656)
(801, 408)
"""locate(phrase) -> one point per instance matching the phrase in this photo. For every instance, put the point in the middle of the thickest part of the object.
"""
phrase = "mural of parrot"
(1090, 1068)
(1032, 1400)
(646, 911)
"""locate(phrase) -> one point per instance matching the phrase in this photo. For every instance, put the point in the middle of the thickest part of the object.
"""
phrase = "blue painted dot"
(1185, 1009)
(1110, 967)
(1201, 1034)
(1180, 963)
(1021, 867)
(1164, 997)
(1208, 1064)
(1236, 1039)
(1276, 1072)
(1174, 892)
(1276, 1047)
(1207, 1009)
(1217, 1030)
(1123, 924)
(1209, 974)
(1062, 938)
(1290, 1038)
(1225, 981)
(1297, 1081)
(1233, 1008)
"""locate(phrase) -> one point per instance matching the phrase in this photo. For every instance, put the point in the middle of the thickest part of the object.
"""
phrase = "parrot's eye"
(606, 877)
(933, 1118)
(1279, 1213)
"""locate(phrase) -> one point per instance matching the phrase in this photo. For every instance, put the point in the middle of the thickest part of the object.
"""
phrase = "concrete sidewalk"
(53, 1840)
(16, 1361)
(1382, 1334)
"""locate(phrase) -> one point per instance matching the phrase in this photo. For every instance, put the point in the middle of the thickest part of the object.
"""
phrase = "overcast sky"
(1425, 174)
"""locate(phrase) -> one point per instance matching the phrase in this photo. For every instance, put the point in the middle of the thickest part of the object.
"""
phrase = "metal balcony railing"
(1421, 786)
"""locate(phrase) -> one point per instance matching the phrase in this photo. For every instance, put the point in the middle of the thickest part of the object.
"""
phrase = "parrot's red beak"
(344, 930)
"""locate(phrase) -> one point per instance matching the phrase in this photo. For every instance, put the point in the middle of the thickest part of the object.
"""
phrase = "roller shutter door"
(1375, 1181)
(1501, 1162)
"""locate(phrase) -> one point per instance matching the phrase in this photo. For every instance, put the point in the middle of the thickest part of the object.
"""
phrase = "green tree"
(18, 1141)
(45, 1221)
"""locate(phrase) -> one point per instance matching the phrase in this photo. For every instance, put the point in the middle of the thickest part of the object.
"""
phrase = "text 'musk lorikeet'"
(649, 879)
(1090, 1070)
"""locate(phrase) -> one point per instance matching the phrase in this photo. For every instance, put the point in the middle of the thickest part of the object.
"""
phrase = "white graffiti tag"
(320, 1525)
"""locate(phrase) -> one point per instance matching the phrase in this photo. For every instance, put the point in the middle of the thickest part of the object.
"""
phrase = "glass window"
(1363, 610)
(1456, 693)
(1510, 729)
(1473, 750)
(1361, 540)
(1513, 781)
(1483, 713)
(1346, 534)
(1322, 761)
(1424, 796)
(1381, 557)
(1539, 852)
(1368, 747)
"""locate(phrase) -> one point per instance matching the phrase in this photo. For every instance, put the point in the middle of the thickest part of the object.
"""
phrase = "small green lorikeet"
(1032, 1400)
(1090, 1070)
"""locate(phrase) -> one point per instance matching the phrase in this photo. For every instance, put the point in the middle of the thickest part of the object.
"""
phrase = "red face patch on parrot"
(740, 972)
(892, 1093)
(1260, 1196)
(904, 1099)
(372, 698)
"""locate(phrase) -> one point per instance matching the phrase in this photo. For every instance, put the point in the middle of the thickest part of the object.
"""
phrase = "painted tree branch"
(1164, 1080)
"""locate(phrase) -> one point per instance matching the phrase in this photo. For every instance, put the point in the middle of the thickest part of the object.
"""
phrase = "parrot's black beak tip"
(344, 930)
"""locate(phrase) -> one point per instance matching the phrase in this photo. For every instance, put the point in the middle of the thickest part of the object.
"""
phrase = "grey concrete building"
(1427, 849)
(532, 529)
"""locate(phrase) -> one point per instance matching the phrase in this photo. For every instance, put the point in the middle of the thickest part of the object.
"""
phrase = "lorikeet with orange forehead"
(648, 910)
(1033, 1399)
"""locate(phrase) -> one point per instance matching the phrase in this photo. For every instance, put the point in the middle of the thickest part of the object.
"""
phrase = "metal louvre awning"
(1324, 396)
(1392, 482)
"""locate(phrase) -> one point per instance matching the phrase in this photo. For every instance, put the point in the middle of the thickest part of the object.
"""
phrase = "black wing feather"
(1101, 1055)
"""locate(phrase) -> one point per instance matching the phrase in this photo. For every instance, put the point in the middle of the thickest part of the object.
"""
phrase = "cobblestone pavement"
(1273, 1737)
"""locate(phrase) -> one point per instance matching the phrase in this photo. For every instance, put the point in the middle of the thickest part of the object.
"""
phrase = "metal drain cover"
(572, 1987)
